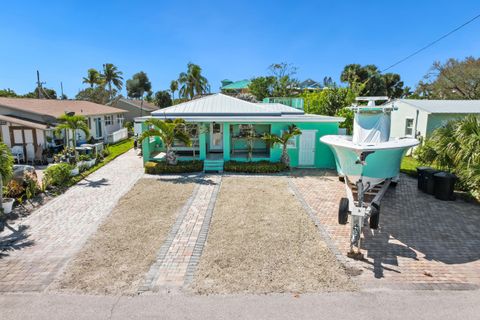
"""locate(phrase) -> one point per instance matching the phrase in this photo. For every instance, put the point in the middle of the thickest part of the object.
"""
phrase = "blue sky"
(228, 39)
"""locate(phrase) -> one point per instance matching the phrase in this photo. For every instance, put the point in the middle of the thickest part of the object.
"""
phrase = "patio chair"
(18, 154)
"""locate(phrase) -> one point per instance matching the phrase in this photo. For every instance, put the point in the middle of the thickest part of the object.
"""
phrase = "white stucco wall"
(399, 120)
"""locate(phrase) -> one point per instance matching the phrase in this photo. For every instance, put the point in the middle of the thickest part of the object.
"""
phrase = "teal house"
(224, 128)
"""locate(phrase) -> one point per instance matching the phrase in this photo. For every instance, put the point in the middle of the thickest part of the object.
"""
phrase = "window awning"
(23, 122)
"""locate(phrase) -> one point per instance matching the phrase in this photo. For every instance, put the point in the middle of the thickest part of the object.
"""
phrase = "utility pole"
(39, 86)
(61, 89)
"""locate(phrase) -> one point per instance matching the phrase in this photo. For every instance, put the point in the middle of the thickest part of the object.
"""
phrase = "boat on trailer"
(368, 162)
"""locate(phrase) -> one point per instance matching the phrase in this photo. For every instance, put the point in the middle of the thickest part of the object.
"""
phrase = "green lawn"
(409, 166)
(115, 151)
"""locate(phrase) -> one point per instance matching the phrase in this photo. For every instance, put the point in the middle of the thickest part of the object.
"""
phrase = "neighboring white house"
(30, 123)
(421, 117)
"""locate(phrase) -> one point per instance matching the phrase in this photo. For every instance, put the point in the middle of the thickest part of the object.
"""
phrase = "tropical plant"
(456, 147)
(173, 88)
(138, 85)
(8, 93)
(193, 82)
(97, 94)
(375, 83)
(93, 77)
(111, 76)
(285, 84)
(45, 93)
(181, 167)
(162, 99)
(6, 167)
(72, 123)
(168, 131)
(262, 87)
(454, 79)
(58, 174)
(282, 140)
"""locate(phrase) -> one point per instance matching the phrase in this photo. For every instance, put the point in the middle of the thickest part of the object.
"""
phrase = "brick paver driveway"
(56, 231)
(421, 243)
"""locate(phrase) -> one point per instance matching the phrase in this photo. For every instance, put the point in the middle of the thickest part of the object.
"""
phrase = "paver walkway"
(180, 254)
(58, 230)
(422, 242)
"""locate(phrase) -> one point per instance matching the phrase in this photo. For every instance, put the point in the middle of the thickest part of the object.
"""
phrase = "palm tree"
(93, 77)
(282, 140)
(74, 123)
(168, 131)
(6, 169)
(456, 147)
(173, 88)
(193, 82)
(111, 76)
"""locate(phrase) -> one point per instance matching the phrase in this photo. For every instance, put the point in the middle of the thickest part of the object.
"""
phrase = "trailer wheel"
(343, 211)
(374, 217)
(341, 178)
(394, 184)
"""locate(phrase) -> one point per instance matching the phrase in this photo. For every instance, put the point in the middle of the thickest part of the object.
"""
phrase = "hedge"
(181, 167)
(254, 167)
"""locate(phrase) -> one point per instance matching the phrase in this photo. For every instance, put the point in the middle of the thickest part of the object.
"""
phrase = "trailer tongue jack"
(361, 210)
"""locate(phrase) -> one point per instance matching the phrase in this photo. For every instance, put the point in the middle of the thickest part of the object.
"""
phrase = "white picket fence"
(119, 135)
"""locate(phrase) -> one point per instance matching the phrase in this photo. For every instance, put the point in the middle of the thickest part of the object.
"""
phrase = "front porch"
(216, 141)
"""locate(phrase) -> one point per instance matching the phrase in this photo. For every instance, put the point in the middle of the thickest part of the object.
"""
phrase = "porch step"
(213, 165)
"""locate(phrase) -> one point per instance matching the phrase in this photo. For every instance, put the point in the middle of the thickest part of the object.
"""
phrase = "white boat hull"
(382, 160)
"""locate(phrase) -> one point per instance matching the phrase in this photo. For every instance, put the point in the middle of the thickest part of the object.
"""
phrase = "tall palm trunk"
(285, 158)
(170, 156)
(1, 193)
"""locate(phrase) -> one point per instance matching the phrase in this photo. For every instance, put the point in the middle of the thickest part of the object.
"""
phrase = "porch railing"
(117, 136)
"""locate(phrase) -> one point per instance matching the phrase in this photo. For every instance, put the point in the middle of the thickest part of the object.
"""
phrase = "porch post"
(145, 145)
(202, 142)
(226, 141)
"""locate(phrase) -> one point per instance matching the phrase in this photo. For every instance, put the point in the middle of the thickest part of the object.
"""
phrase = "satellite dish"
(71, 113)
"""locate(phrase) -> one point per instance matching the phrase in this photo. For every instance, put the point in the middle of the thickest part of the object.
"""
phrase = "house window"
(409, 127)
(292, 142)
(120, 119)
(108, 120)
(98, 128)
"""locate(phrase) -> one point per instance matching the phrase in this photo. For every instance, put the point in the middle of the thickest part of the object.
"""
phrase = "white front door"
(216, 136)
(306, 151)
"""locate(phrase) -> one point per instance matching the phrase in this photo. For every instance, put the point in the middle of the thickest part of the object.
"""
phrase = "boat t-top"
(368, 162)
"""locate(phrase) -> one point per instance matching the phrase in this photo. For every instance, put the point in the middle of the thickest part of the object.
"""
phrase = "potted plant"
(49, 155)
(83, 160)
(92, 160)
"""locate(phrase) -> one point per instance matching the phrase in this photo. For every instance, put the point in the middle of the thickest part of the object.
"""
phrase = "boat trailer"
(362, 204)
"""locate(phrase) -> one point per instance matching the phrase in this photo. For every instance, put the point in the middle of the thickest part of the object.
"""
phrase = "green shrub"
(254, 167)
(455, 147)
(84, 157)
(58, 174)
(181, 167)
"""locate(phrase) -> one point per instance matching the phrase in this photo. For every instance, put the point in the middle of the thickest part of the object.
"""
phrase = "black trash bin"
(429, 181)
(420, 180)
(444, 185)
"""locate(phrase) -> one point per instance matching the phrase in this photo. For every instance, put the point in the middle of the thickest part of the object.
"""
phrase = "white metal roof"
(252, 119)
(441, 106)
(284, 109)
(224, 105)
(223, 108)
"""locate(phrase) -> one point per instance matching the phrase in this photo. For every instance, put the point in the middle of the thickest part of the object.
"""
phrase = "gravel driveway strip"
(59, 229)
(262, 241)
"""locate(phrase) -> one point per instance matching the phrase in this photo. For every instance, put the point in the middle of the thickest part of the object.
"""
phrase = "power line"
(431, 43)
